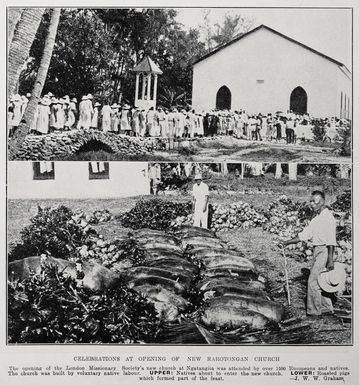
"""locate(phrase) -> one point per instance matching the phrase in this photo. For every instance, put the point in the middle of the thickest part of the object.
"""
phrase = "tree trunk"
(23, 37)
(278, 171)
(292, 170)
(23, 129)
(13, 17)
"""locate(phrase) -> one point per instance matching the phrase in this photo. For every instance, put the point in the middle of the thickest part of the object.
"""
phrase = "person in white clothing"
(200, 194)
(322, 232)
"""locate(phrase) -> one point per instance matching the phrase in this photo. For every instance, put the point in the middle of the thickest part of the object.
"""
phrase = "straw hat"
(125, 107)
(97, 104)
(54, 101)
(50, 94)
(333, 280)
(74, 100)
(85, 97)
(198, 177)
(89, 96)
(115, 105)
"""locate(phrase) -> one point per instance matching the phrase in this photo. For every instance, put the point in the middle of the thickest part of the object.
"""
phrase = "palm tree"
(14, 16)
(23, 34)
(23, 128)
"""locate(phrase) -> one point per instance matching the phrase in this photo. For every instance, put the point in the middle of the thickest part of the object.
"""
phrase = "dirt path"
(232, 149)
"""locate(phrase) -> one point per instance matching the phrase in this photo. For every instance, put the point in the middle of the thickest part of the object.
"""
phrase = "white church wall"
(344, 109)
(72, 181)
(279, 63)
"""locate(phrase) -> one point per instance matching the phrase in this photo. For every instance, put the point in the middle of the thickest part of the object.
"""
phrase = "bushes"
(54, 230)
(155, 214)
(52, 308)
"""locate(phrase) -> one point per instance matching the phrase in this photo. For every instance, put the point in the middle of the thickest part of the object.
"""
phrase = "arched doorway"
(223, 99)
(298, 101)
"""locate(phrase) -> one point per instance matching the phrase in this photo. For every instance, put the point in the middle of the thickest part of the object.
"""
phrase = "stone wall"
(59, 145)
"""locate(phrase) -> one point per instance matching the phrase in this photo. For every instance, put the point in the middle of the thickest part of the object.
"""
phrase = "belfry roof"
(147, 65)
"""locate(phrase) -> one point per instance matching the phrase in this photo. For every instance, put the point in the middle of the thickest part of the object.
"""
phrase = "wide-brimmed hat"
(198, 177)
(45, 101)
(54, 101)
(115, 105)
(89, 96)
(97, 104)
(333, 280)
(125, 107)
(74, 100)
(50, 94)
(85, 97)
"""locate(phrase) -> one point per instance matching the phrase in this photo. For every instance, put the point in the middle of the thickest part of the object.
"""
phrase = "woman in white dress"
(60, 115)
(94, 120)
(199, 129)
(125, 120)
(17, 104)
(71, 117)
(43, 116)
(115, 118)
(106, 113)
(135, 123)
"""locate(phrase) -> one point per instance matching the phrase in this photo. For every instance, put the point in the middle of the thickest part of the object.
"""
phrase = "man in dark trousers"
(322, 232)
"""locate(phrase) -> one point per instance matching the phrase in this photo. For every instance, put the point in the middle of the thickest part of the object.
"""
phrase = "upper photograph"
(186, 84)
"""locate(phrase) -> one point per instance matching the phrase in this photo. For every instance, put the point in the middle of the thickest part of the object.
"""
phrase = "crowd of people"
(61, 114)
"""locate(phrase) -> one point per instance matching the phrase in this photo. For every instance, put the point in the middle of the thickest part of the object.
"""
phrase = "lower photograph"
(179, 253)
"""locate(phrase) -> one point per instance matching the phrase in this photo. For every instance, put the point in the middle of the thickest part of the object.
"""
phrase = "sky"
(329, 31)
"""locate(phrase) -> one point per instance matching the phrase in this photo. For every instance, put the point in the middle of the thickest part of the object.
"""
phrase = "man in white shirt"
(322, 232)
(200, 194)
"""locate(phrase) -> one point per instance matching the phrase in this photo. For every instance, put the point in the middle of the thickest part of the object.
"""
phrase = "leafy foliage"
(52, 231)
(156, 214)
(96, 49)
(345, 135)
(52, 308)
(343, 202)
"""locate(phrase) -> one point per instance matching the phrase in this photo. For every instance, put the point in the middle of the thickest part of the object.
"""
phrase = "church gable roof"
(275, 32)
(147, 65)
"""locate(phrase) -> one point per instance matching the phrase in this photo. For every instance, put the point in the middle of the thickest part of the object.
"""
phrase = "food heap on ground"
(173, 274)
(155, 214)
(224, 217)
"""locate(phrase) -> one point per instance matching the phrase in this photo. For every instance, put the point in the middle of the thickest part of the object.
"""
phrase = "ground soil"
(233, 149)
(255, 243)
(230, 149)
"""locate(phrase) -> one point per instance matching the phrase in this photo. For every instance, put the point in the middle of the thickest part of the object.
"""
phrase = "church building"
(264, 71)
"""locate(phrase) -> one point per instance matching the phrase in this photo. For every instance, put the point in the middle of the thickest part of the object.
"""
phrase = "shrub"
(51, 230)
(155, 214)
(52, 308)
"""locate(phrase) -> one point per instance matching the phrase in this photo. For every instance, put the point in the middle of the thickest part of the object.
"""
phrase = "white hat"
(333, 280)
(45, 101)
(97, 104)
(197, 177)
(89, 96)
(125, 107)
